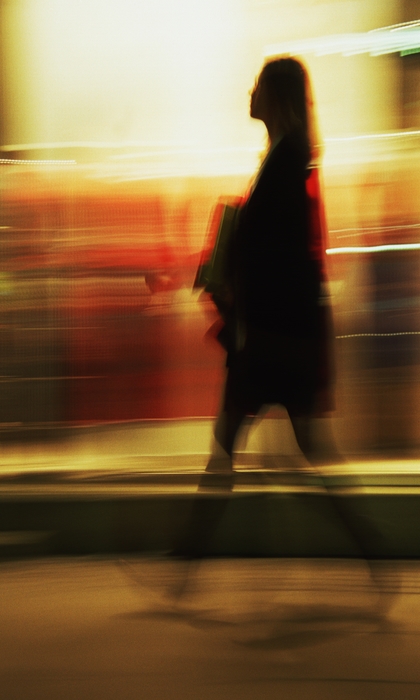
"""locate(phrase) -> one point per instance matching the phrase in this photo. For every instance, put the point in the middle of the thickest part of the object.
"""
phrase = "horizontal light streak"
(376, 335)
(9, 380)
(87, 144)
(357, 231)
(399, 27)
(134, 160)
(373, 248)
(371, 137)
(377, 42)
(20, 161)
(166, 148)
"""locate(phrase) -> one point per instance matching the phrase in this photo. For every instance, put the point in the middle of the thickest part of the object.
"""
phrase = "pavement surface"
(119, 488)
(115, 619)
(176, 452)
(153, 628)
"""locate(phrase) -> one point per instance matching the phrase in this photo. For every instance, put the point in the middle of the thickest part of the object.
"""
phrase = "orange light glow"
(124, 122)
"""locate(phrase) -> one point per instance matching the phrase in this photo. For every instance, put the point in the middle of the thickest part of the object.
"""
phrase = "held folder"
(211, 273)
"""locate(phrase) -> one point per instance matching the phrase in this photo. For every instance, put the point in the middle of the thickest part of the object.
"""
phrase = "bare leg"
(360, 532)
(216, 483)
(361, 529)
(226, 431)
(303, 429)
(318, 448)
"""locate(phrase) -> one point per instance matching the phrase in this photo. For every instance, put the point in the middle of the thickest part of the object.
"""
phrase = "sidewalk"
(129, 488)
(175, 448)
(100, 629)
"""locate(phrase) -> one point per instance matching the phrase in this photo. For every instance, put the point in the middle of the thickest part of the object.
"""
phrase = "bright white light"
(128, 69)
(11, 161)
(373, 248)
(397, 39)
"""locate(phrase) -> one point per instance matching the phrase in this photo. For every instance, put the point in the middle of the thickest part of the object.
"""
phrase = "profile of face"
(279, 97)
(258, 108)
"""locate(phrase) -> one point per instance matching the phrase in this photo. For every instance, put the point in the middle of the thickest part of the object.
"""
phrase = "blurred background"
(122, 123)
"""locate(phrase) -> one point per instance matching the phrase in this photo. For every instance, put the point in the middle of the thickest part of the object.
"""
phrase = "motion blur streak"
(123, 123)
(248, 629)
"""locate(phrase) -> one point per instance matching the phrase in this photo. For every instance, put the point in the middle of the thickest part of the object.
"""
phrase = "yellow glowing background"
(178, 73)
(149, 100)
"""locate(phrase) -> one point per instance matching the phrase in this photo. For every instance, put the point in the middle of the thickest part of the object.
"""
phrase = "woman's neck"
(272, 142)
(275, 132)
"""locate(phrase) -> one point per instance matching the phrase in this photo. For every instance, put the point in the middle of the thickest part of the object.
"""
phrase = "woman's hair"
(289, 93)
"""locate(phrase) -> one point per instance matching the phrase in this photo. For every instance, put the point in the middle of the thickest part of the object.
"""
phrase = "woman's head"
(280, 97)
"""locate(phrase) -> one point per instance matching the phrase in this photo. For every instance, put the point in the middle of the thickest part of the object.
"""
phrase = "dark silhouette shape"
(278, 328)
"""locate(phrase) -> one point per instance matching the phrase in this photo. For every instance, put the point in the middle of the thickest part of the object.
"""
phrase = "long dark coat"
(276, 329)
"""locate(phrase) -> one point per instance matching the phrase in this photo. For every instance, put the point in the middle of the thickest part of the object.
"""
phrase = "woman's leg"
(303, 429)
(227, 427)
(215, 485)
(360, 527)
(318, 448)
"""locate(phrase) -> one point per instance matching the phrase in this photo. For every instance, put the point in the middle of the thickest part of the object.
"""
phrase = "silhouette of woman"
(275, 325)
